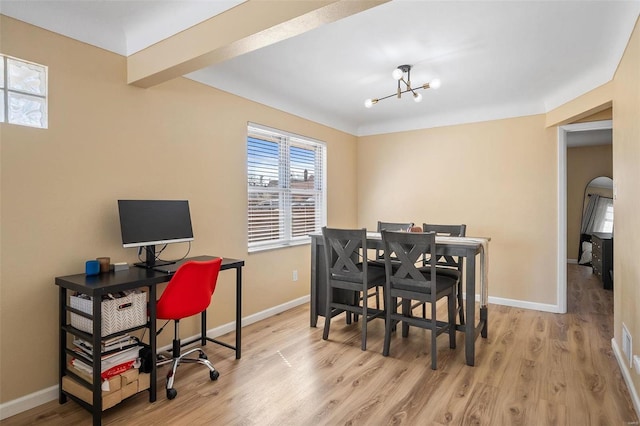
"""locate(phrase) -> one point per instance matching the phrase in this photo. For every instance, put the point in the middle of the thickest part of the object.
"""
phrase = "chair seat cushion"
(443, 272)
(375, 276)
(443, 283)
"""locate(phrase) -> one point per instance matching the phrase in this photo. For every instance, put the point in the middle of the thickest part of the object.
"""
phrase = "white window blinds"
(286, 190)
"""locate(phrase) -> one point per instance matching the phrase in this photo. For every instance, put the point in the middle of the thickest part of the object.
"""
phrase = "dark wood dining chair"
(409, 282)
(450, 265)
(378, 262)
(347, 269)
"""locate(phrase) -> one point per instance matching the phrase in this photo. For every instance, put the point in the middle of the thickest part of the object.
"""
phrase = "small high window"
(23, 86)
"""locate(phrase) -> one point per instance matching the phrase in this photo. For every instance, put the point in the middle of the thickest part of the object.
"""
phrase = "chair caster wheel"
(214, 375)
(171, 393)
(202, 355)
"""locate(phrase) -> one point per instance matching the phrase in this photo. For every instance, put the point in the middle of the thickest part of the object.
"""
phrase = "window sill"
(267, 247)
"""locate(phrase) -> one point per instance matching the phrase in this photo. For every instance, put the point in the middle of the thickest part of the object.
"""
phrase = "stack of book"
(117, 354)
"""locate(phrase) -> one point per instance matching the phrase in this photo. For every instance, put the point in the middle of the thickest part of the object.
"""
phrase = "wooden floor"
(535, 368)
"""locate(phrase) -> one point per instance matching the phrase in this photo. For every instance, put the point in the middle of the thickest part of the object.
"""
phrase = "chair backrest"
(190, 289)
(408, 273)
(447, 231)
(346, 259)
(392, 226)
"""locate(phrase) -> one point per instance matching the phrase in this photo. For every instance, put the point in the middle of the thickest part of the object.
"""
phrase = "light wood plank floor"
(535, 368)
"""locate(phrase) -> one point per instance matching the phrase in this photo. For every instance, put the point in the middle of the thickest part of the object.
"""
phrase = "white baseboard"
(522, 304)
(525, 304)
(626, 374)
(572, 260)
(27, 402)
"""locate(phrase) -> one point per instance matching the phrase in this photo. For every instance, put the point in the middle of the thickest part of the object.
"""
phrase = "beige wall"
(181, 139)
(626, 179)
(107, 140)
(623, 92)
(583, 164)
(498, 177)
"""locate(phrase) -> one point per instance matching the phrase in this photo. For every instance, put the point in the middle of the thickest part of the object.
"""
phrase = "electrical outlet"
(295, 275)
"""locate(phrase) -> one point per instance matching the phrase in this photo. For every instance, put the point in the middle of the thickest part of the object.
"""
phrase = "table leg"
(313, 321)
(406, 309)
(484, 320)
(470, 332)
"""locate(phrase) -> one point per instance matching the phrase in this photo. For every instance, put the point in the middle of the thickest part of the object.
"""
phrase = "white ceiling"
(496, 59)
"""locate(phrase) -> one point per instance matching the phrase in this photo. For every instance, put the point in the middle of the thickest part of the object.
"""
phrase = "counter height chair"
(409, 282)
(450, 265)
(347, 271)
(378, 262)
(187, 294)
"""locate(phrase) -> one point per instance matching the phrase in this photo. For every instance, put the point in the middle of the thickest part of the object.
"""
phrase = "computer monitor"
(146, 223)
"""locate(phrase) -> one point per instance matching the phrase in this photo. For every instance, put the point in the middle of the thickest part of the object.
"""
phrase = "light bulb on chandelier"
(399, 74)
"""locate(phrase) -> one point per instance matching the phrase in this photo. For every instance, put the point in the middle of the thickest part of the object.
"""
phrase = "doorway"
(564, 134)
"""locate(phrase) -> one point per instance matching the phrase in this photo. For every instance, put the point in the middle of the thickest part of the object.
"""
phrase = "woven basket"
(117, 314)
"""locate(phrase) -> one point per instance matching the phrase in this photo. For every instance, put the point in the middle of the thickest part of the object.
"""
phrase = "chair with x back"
(378, 262)
(450, 265)
(347, 269)
(408, 282)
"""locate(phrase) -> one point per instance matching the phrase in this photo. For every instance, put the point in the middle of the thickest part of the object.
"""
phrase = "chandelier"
(399, 74)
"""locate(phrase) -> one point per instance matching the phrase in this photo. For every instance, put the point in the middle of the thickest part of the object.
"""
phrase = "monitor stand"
(151, 261)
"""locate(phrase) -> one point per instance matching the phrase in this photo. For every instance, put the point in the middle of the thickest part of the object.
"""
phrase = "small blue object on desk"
(92, 267)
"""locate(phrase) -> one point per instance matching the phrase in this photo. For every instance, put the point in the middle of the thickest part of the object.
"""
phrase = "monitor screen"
(151, 222)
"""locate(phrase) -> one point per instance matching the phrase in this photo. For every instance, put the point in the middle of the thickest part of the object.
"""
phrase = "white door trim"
(562, 202)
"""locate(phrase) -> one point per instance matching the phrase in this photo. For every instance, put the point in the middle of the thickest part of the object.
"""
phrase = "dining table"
(468, 249)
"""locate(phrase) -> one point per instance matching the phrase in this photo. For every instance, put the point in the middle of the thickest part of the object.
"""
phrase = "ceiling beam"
(247, 27)
(592, 102)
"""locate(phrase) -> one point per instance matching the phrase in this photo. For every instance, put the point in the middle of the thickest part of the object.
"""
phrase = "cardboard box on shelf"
(120, 387)
(129, 376)
(115, 383)
(129, 389)
(144, 381)
(109, 399)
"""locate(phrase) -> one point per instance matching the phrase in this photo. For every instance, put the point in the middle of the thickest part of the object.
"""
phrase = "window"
(286, 188)
(603, 221)
(23, 86)
(598, 215)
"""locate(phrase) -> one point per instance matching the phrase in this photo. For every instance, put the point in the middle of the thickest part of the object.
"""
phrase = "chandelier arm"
(402, 92)
(387, 97)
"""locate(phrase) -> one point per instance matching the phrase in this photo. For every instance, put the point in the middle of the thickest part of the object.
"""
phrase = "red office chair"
(188, 293)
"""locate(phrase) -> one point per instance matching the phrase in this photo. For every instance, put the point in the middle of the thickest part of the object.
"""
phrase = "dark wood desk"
(465, 247)
(98, 285)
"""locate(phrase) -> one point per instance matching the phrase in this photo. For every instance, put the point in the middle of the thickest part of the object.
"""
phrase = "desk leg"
(96, 342)
(469, 331)
(238, 312)
(203, 321)
(153, 345)
(62, 344)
